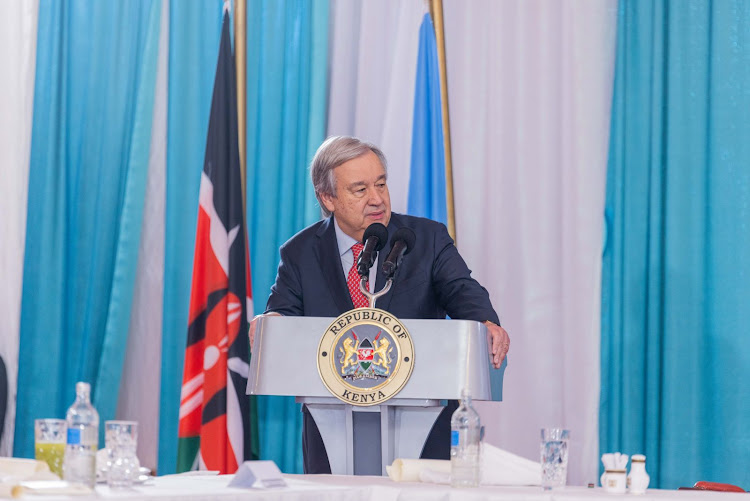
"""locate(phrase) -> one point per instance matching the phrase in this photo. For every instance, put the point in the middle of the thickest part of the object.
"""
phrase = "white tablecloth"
(346, 488)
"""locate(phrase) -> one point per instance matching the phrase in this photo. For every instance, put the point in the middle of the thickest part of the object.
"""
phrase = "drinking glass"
(49, 443)
(121, 440)
(554, 455)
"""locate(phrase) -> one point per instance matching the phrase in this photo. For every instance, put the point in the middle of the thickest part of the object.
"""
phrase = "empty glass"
(121, 439)
(49, 443)
(554, 456)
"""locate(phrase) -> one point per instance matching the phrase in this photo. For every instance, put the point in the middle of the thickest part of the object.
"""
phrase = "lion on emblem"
(348, 350)
(383, 349)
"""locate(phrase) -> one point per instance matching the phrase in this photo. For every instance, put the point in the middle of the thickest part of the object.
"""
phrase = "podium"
(448, 356)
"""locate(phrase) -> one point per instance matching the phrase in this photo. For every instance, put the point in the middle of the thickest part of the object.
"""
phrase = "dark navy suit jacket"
(432, 281)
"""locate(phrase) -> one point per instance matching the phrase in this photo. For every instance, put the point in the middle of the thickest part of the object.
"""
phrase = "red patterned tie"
(353, 279)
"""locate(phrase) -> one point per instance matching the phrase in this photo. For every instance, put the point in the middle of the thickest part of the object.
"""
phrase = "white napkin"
(10, 490)
(499, 467)
(615, 461)
(16, 473)
(21, 468)
(411, 470)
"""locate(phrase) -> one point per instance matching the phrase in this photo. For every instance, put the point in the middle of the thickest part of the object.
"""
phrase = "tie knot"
(356, 250)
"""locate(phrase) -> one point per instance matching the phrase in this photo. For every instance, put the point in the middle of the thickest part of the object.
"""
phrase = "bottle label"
(74, 436)
(454, 438)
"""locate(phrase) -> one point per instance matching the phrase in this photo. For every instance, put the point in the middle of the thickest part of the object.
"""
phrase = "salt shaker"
(638, 479)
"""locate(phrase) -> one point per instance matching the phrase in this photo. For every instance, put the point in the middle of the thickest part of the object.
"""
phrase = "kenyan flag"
(216, 417)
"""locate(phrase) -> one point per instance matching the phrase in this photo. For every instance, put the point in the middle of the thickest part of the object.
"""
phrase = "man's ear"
(327, 201)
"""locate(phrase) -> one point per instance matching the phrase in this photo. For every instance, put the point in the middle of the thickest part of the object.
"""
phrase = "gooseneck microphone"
(401, 243)
(374, 239)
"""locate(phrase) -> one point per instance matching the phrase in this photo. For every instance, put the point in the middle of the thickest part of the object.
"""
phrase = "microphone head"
(379, 231)
(407, 235)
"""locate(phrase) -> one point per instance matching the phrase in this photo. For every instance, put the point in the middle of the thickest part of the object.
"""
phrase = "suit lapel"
(327, 254)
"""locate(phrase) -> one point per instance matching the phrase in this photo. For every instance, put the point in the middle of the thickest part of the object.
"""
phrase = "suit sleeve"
(461, 296)
(286, 292)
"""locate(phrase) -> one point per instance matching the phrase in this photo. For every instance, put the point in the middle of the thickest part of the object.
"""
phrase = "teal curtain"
(287, 43)
(93, 106)
(194, 34)
(675, 288)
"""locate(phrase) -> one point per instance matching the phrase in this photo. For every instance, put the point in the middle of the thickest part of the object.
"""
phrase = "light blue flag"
(427, 195)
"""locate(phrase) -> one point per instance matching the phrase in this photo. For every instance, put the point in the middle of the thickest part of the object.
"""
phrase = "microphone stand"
(373, 297)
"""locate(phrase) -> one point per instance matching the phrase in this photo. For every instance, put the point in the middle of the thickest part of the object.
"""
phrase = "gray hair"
(335, 151)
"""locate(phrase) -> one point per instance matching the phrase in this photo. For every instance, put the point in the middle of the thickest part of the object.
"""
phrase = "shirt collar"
(344, 241)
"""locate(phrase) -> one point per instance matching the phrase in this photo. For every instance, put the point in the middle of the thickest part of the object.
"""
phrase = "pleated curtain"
(675, 354)
(93, 105)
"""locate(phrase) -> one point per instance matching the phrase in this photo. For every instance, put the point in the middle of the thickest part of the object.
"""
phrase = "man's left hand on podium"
(254, 322)
(498, 343)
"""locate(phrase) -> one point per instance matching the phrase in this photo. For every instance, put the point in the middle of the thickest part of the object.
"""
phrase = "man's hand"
(254, 322)
(498, 343)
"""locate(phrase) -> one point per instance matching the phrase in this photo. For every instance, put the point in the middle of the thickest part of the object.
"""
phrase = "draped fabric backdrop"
(529, 86)
(287, 47)
(18, 22)
(675, 356)
(530, 95)
(138, 393)
(93, 106)
(194, 31)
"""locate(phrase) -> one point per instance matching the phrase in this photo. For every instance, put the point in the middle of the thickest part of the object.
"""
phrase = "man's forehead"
(366, 180)
(363, 169)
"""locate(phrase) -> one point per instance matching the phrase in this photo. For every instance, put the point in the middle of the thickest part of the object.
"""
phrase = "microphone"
(374, 239)
(401, 243)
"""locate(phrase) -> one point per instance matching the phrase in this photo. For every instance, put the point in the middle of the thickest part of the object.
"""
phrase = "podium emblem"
(365, 356)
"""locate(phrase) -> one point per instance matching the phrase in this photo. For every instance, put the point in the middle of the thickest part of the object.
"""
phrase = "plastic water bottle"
(466, 451)
(83, 438)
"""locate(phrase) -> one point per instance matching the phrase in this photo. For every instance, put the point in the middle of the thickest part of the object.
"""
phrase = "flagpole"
(240, 58)
(436, 11)
(240, 63)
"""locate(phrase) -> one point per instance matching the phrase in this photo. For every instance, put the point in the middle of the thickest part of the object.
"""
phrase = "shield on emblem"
(365, 354)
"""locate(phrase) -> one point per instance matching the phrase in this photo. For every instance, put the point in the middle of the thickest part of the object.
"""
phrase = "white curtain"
(18, 25)
(530, 86)
(372, 72)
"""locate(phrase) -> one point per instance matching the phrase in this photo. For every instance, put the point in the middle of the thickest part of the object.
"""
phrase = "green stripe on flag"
(187, 451)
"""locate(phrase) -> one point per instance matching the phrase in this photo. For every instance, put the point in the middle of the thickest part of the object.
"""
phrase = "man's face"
(362, 196)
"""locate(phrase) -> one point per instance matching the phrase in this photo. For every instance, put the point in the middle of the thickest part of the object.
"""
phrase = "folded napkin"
(15, 470)
(411, 470)
(499, 467)
(21, 468)
(615, 461)
(10, 490)
(29, 475)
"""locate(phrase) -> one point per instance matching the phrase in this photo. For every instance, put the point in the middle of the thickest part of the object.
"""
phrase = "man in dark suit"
(433, 280)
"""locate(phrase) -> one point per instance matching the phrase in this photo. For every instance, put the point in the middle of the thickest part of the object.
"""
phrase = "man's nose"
(374, 196)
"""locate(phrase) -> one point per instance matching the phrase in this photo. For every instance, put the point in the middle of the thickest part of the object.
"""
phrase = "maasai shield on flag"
(214, 429)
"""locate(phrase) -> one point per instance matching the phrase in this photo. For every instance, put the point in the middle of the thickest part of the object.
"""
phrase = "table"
(359, 488)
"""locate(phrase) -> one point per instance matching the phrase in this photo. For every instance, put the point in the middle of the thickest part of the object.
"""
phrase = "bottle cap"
(82, 387)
